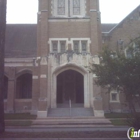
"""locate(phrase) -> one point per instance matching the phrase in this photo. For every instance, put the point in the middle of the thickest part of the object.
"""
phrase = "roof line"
(123, 19)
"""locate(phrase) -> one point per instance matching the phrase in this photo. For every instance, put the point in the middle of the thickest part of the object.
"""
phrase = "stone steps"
(74, 112)
(71, 122)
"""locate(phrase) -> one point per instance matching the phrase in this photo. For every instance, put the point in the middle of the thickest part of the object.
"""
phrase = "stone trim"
(35, 77)
(93, 10)
(80, 40)
(69, 42)
(43, 61)
(43, 76)
(23, 100)
(17, 65)
(69, 20)
(57, 39)
(63, 68)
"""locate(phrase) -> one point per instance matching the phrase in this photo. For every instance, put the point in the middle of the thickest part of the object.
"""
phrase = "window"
(136, 49)
(61, 7)
(114, 96)
(81, 45)
(24, 86)
(132, 50)
(76, 46)
(62, 46)
(68, 8)
(84, 46)
(58, 45)
(76, 7)
(55, 46)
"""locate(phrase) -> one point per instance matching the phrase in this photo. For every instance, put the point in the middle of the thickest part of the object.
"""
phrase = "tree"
(2, 42)
(121, 71)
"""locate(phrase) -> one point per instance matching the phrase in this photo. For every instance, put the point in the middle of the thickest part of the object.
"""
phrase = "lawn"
(19, 116)
(118, 115)
(25, 119)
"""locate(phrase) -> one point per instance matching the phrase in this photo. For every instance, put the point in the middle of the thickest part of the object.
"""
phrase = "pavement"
(64, 129)
(65, 139)
(74, 129)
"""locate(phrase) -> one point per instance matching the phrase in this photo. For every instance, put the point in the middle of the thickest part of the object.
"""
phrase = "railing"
(70, 106)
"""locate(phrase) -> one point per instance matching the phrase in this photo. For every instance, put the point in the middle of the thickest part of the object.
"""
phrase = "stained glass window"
(55, 46)
(76, 7)
(76, 46)
(61, 7)
(84, 46)
(63, 46)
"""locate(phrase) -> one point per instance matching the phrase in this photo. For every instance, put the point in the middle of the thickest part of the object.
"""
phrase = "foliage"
(121, 72)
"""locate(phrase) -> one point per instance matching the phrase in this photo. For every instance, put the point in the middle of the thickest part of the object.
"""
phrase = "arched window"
(5, 87)
(24, 86)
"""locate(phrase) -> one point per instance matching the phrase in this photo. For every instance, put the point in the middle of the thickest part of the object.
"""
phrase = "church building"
(47, 65)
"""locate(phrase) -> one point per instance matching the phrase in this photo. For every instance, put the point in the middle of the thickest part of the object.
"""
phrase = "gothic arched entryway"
(70, 86)
(79, 71)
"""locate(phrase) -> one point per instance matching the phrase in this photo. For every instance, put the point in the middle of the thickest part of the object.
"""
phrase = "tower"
(69, 39)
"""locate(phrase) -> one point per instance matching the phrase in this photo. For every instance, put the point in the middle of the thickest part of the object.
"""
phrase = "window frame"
(55, 9)
(75, 7)
(69, 9)
(54, 41)
(82, 9)
(59, 40)
(83, 51)
(58, 7)
(77, 46)
(62, 41)
(80, 44)
(117, 97)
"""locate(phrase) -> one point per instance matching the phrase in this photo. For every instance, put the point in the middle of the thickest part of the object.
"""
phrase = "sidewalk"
(64, 129)
(44, 133)
(63, 139)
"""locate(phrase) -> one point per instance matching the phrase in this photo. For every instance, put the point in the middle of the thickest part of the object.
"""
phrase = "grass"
(118, 115)
(119, 122)
(119, 119)
(19, 116)
(18, 123)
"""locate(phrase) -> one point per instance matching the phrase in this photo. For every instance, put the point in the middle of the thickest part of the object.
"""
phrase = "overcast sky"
(112, 11)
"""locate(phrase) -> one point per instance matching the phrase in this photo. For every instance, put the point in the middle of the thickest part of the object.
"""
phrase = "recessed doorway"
(70, 87)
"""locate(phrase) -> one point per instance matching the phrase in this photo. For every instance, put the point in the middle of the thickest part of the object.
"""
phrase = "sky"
(112, 11)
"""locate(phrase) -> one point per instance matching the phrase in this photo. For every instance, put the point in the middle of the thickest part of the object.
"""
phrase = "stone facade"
(57, 36)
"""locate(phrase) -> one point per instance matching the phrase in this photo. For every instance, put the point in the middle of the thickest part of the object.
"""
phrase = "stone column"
(11, 90)
(42, 107)
(35, 89)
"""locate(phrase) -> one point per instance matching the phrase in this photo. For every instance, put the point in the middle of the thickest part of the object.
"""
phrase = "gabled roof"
(107, 27)
(21, 40)
(129, 15)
